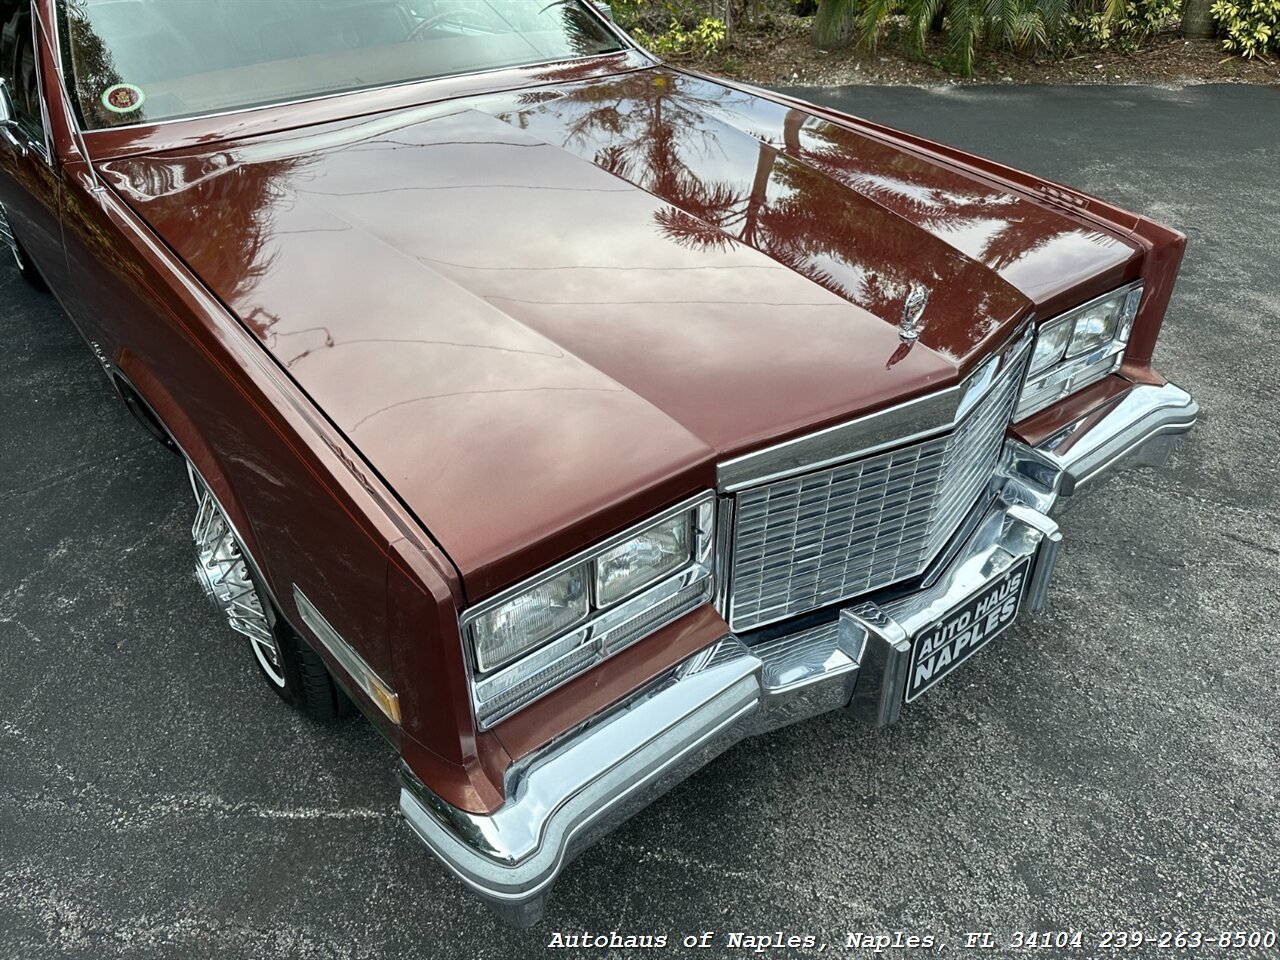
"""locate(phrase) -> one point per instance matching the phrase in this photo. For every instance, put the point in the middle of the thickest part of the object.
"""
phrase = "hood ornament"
(912, 321)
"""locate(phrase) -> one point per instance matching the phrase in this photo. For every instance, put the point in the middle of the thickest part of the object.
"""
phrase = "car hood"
(541, 315)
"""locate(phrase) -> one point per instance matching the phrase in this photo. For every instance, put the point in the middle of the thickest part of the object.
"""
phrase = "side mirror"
(605, 9)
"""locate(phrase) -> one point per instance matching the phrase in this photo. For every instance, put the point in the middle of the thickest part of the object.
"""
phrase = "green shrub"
(1123, 24)
(653, 16)
(1252, 27)
(702, 39)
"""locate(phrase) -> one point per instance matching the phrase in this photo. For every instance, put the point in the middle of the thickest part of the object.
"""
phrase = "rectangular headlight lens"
(531, 618)
(1079, 348)
(1051, 344)
(1096, 326)
(661, 550)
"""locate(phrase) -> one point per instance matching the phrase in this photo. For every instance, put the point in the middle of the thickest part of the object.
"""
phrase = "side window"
(18, 64)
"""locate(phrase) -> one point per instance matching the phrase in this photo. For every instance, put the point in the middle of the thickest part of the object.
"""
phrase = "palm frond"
(1115, 9)
(928, 11)
(1055, 12)
(966, 29)
(1028, 27)
(871, 22)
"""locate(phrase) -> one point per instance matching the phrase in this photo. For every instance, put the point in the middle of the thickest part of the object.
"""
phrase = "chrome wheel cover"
(7, 239)
(223, 572)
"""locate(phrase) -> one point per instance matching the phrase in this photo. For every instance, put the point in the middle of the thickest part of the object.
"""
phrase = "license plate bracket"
(966, 628)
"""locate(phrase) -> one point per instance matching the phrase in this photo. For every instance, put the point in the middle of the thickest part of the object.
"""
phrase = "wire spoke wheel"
(294, 670)
(8, 240)
(224, 573)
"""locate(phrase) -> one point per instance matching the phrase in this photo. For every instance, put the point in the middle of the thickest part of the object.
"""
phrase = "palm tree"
(1017, 23)
(1197, 19)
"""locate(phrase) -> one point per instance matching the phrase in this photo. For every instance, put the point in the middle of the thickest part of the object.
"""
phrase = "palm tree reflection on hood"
(858, 213)
(951, 205)
(722, 185)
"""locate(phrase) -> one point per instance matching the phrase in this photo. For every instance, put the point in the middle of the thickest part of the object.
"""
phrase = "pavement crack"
(1250, 542)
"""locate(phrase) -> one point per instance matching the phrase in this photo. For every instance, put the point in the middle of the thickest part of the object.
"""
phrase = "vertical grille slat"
(809, 541)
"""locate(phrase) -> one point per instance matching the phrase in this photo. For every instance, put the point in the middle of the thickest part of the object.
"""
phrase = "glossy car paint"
(508, 315)
(528, 309)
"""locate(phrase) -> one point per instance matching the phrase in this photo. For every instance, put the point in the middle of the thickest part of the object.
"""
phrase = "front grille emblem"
(912, 321)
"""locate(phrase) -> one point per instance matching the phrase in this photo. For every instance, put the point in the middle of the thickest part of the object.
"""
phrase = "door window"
(18, 65)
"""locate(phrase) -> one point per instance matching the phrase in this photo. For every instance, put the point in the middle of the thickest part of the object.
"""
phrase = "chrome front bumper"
(563, 798)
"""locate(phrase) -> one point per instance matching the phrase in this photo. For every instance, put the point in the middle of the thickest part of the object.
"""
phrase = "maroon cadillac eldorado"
(570, 414)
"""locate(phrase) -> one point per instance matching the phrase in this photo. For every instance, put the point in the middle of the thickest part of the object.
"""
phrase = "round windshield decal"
(123, 98)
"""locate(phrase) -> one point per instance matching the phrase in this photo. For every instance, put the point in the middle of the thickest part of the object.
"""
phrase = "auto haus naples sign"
(965, 630)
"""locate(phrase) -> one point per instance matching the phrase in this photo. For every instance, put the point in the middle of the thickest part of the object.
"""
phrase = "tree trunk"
(833, 24)
(1197, 21)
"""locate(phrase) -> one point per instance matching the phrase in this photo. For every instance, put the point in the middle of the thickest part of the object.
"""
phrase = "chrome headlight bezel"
(1069, 357)
(503, 685)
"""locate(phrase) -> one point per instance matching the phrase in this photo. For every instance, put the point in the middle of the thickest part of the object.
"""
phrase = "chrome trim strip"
(78, 134)
(724, 552)
(378, 690)
(45, 148)
(896, 426)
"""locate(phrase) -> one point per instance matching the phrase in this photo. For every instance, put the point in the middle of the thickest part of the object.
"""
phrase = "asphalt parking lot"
(1113, 765)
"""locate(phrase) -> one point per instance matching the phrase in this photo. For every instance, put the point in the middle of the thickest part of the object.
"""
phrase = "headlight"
(1051, 344)
(1079, 348)
(660, 550)
(1096, 326)
(531, 639)
(531, 619)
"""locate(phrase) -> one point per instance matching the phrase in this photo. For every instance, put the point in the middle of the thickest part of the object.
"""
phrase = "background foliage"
(1124, 25)
(948, 31)
(965, 23)
(703, 38)
(1252, 27)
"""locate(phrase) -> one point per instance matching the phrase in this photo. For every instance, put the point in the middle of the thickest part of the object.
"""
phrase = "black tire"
(143, 413)
(309, 687)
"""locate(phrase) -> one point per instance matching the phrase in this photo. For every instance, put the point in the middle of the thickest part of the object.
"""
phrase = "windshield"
(140, 61)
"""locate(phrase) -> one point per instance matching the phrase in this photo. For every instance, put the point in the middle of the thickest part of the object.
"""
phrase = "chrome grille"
(805, 542)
